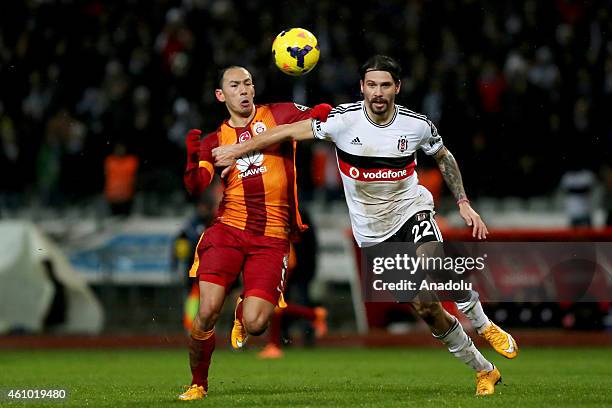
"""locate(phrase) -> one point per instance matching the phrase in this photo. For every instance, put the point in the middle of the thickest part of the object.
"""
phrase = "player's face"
(379, 90)
(237, 92)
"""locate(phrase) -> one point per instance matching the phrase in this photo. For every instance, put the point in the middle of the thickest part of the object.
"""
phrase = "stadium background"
(520, 90)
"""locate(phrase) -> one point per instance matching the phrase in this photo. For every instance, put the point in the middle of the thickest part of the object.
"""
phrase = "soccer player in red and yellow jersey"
(256, 217)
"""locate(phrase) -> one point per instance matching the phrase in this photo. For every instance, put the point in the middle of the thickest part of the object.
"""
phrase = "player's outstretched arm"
(227, 154)
(452, 176)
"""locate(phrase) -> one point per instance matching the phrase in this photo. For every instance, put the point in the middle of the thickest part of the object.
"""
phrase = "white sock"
(473, 310)
(462, 347)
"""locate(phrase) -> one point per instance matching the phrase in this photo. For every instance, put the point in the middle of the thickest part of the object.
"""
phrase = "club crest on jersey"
(402, 144)
(259, 127)
(244, 136)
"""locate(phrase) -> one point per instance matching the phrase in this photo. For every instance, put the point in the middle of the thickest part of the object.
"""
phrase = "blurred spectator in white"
(578, 185)
(544, 73)
(185, 118)
(515, 66)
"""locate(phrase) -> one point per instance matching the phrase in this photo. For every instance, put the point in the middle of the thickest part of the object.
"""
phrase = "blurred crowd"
(521, 90)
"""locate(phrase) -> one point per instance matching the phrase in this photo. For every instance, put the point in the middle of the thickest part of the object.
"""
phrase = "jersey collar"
(227, 123)
(365, 112)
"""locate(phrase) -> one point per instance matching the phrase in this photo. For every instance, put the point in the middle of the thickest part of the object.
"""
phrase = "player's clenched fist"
(320, 112)
(226, 155)
(192, 141)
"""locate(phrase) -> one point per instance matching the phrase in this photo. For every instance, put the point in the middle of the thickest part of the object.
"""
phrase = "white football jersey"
(377, 165)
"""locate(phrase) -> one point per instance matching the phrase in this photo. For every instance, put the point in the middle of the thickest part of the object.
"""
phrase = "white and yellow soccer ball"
(295, 51)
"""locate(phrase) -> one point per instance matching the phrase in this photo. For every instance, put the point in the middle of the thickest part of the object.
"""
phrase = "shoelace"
(496, 337)
(481, 384)
(191, 388)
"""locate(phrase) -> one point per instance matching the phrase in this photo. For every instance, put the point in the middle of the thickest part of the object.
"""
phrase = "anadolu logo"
(354, 172)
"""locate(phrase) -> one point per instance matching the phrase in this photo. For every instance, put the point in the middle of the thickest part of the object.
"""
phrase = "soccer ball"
(295, 51)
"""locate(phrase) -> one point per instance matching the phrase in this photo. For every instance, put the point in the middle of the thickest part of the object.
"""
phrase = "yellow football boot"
(500, 340)
(239, 335)
(193, 393)
(486, 381)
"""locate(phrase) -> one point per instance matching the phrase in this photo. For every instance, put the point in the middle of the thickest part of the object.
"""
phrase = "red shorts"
(224, 251)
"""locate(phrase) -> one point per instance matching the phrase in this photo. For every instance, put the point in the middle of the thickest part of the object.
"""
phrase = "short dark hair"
(382, 63)
(222, 71)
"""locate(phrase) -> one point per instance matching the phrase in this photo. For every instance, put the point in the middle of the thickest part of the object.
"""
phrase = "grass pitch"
(320, 377)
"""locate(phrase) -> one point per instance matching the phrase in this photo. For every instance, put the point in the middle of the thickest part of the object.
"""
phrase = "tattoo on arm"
(452, 176)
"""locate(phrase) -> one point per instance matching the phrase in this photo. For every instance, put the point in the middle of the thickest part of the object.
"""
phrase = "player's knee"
(255, 323)
(428, 311)
(206, 320)
(207, 316)
(430, 249)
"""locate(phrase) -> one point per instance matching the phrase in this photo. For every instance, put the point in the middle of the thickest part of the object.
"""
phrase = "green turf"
(327, 377)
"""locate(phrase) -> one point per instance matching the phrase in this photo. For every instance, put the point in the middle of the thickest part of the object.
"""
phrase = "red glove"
(192, 141)
(320, 112)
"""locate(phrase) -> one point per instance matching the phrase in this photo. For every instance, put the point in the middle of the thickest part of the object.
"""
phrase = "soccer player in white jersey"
(376, 142)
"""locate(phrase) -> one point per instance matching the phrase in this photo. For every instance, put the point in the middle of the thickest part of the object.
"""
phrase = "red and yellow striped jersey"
(260, 192)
